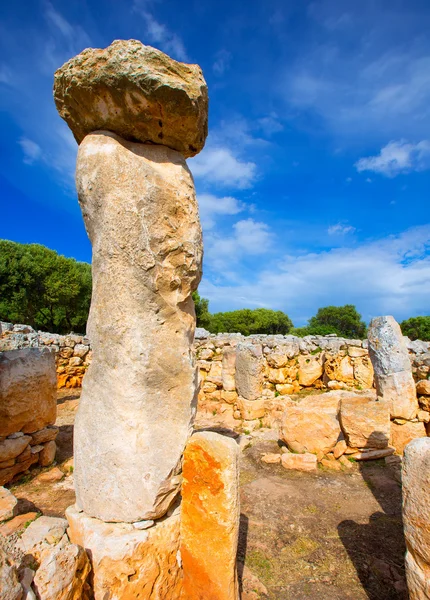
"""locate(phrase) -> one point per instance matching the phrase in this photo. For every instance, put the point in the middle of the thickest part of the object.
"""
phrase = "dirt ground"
(323, 536)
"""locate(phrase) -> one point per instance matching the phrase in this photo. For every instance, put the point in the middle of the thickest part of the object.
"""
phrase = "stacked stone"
(137, 115)
(28, 409)
(394, 382)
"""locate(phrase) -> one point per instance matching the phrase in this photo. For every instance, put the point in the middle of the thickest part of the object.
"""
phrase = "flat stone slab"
(137, 92)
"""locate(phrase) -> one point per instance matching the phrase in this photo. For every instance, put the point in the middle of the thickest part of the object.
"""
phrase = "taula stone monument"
(137, 114)
(141, 215)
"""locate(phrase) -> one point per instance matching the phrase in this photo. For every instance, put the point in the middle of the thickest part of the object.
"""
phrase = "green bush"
(417, 328)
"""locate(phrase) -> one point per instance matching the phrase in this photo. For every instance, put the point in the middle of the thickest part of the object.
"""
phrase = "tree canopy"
(248, 322)
(417, 328)
(342, 320)
(203, 315)
(43, 289)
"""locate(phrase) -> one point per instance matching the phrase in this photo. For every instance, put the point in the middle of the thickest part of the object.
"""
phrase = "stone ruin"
(156, 504)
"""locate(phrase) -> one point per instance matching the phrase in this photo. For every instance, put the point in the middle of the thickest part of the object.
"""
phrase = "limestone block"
(47, 454)
(312, 425)
(11, 448)
(399, 390)
(28, 390)
(277, 360)
(229, 397)
(229, 369)
(372, 454)
(423, 387)
(356, 352)
(251, 409)
(10, 587)
(416, 516)
(365, 422)
(249, 371)
(299, 462)
(44, 435)
(310, 369)
(363, 371)
(80, 350)
(139, 394)
(278, 376)
(7, 474)
(7, 504)
(393, 374)
(214, 375)
(401, 435)
(130, 563)
(138, 93)
(63, 566)
(210, 517)
(339, 368)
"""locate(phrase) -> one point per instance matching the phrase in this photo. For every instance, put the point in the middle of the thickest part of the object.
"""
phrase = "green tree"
(248, 322)
(417, 328)
(42, 288)
(203, 315)
(342, 320)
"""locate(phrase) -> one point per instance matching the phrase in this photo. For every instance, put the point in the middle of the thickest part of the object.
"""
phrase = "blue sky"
(314, 182)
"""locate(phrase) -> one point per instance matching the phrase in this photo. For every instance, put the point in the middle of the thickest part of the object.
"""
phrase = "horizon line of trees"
(51, 292)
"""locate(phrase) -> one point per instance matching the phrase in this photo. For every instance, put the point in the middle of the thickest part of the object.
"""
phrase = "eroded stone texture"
(8, 503)
(392, 367)
(137, 92)
(365, 422)
(10, 588)
(130, 563)
(229, 369)
(210, 518)
(299, 462)
(28, 390)
(401, 435)
(249, 371)
(416, 517)
(312, 425)
(139, 393)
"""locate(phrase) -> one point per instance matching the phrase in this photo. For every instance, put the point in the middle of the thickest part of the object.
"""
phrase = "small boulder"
(299, 462)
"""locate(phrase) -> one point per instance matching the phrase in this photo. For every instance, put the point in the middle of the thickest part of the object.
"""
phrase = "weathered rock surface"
(10, 588)
(310, 369)
(28, 390)
(423, 387)
(138, 397)
(7, 504)
(312, 425)
(416, 517)
(129, 563)
(299, 462)
(365, 422)
(393, 374)
(249, 371)
(372, 454)
(210, 517)
(136, 92)
(229, 370)
(11, 448)
(401, 435)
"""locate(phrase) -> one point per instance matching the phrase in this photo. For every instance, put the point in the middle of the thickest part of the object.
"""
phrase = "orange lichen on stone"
(210, 518)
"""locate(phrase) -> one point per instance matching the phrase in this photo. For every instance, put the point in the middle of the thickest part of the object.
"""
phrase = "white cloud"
(386, 276)
(160, 34)
(211, 207)
(398, 157)
(270, 124)
(220, 166)
(222, 62)
(340, 229)
(32, 151)
(223, 253)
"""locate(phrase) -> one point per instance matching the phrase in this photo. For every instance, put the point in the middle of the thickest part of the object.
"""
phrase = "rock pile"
(28, 409)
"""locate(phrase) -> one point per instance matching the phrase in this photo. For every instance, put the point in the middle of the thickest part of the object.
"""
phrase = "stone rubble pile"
(28, 409)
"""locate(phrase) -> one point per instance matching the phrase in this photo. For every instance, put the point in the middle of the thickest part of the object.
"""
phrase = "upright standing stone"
(249, 371)
(416, 517)
(393, 373)
(210, 518)
(140, 211)
(229, 369)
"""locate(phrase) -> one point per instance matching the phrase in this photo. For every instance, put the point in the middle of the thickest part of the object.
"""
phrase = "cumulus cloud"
(211, 207)
(385, 276)
(340, 229)
(398, 157)
(220, 166)
(32, 151)
(247, 238)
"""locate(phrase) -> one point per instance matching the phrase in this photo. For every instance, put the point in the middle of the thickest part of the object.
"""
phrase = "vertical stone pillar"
(416, 517)
(137, 114)
(249, 381)
(393, 372)
(210, 518)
